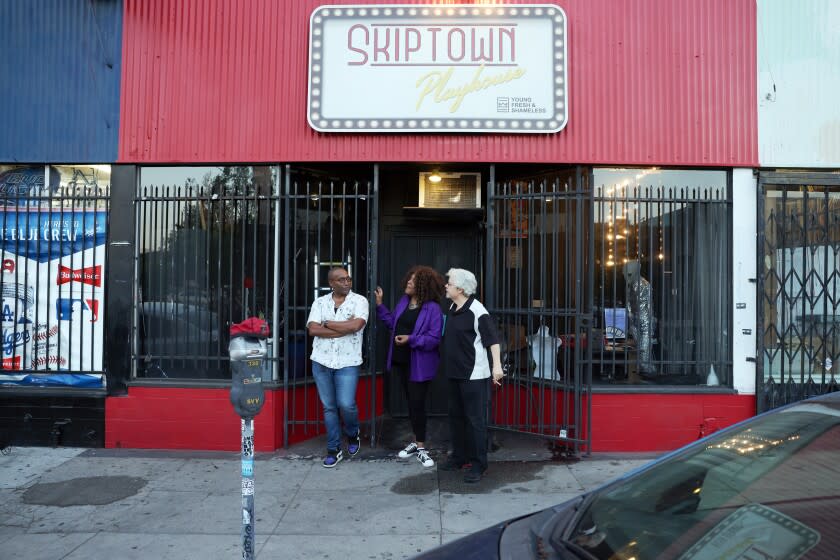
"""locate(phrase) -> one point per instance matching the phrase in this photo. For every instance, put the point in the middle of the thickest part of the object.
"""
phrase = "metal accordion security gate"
(798, 287)
(539, 278)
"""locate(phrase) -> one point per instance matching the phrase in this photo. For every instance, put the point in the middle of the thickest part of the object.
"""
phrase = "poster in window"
(514, 222)
(53, 291)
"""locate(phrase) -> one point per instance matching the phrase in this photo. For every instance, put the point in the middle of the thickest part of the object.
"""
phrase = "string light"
(661, 246)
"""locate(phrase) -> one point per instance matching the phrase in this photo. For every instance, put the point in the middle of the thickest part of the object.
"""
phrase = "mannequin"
(544, 353)
(639, 313)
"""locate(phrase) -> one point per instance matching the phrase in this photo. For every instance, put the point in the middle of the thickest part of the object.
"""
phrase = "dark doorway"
(415, 234)
(442, 246)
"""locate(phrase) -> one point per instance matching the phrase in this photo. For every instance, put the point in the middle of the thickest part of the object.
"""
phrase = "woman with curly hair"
(415, 325)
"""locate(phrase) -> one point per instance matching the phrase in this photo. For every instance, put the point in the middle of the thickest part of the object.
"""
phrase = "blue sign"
(47, 235)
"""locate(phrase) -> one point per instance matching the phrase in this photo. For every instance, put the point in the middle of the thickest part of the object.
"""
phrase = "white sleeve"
(362, 308)
(315, 313)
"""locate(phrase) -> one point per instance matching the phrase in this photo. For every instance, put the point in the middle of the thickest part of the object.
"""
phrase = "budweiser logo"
(91, 275)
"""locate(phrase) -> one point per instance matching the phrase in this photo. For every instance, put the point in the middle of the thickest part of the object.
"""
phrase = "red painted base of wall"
(203, 419)
(624, 422)
(662, 422)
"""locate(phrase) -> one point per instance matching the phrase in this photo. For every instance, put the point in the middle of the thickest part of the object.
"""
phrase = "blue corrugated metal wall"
(60, 66)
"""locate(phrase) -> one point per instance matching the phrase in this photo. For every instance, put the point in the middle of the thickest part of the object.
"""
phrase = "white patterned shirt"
(336, 353)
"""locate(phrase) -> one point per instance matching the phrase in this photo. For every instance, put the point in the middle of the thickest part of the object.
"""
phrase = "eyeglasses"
(344, 280)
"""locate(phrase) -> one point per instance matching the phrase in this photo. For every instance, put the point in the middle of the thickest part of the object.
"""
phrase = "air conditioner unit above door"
(450, 190)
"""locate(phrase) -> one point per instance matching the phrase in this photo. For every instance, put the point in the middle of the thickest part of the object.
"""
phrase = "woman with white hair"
(469, 335)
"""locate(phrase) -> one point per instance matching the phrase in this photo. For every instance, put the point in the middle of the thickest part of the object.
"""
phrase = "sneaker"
(473, 475)
(409, 450)
(452, 465)
(423, 457)
(333, 458)
(353, 445)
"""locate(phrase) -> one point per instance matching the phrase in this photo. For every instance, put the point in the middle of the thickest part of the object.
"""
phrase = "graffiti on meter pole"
(247, 542)
(248, 446)
(247, 486)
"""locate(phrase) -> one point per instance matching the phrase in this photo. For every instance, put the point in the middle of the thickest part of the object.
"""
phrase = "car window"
(768, 490)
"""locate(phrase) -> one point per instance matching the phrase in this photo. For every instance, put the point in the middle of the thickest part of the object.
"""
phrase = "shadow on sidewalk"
(385, 438)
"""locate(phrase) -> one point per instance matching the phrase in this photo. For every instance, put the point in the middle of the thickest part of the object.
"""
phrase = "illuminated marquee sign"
(442, 68)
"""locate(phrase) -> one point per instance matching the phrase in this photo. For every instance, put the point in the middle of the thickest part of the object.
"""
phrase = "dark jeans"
(415, 394)
(468, 402)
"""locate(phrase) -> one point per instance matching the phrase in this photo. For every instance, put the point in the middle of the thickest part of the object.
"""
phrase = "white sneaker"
(409, 450)
(423, 457)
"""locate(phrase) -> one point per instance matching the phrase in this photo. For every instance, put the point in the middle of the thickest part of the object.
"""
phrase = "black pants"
(415, 394)
(468, 401)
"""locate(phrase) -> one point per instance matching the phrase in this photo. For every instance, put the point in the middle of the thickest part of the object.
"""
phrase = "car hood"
(483, 545)
(515, 539)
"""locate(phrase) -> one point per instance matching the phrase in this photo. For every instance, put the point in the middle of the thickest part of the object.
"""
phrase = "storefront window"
(661, 284)
(54, 224)
(206, 261)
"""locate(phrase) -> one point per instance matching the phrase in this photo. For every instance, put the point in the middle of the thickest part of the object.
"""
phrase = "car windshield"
(770, 489)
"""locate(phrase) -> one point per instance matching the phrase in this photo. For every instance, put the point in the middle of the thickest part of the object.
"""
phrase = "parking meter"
(247, 350)
(246, 361)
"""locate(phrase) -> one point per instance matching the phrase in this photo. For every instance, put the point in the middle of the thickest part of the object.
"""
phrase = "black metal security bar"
(798, 287)
(329, 220)
(602, 286)
(205, 261)
(540, 287)
(53, 218)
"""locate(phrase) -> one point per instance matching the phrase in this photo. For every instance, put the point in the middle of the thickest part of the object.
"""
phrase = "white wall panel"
(799, 83)
(744, 196)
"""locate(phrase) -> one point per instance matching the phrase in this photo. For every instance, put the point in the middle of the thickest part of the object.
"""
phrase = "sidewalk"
(101, 503)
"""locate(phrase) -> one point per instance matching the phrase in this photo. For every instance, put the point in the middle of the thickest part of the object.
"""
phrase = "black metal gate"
(221, 244)
(798, 287)
(330, 218)
(539, 278)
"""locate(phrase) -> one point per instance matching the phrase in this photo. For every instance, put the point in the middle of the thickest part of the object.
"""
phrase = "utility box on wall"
(450, 190)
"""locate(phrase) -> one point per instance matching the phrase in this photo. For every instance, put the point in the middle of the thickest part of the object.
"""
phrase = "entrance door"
(539, 284)
(798, 287)
(441, 246)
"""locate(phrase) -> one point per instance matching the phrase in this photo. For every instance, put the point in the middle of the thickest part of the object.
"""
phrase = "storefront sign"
(441, 68)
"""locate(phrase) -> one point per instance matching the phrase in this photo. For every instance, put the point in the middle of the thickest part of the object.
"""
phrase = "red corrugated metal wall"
(652, 82)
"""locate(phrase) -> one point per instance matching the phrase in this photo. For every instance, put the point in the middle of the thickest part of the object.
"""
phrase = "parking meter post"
(247, 533)
(247, 356)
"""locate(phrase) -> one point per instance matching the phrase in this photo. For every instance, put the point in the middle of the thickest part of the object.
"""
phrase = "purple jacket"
(425, 338)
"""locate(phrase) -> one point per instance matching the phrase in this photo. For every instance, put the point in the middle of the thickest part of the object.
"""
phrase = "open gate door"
(330, 219)
(539, 278)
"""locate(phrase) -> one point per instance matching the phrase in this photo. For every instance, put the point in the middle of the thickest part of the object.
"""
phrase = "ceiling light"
(435, 177)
